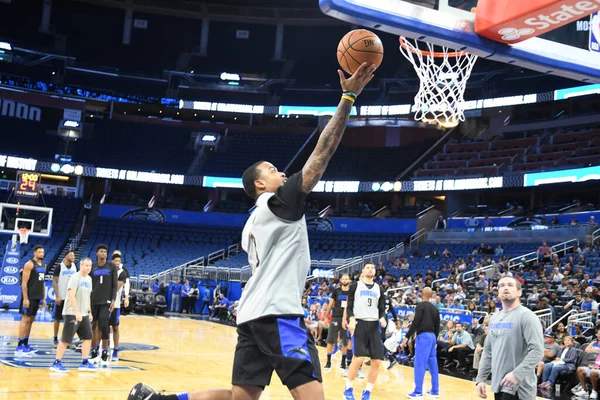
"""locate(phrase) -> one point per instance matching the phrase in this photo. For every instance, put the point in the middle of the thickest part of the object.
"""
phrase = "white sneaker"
(104, 363)
(345, 373)
(576, 388)
(360, 374)
(594, 395)
(95, 360)
(581, 392)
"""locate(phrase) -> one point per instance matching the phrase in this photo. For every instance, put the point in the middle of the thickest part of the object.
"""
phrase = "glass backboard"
(15, 216)
(563, 52)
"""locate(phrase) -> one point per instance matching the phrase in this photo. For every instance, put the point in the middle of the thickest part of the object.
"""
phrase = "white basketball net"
(443, 77)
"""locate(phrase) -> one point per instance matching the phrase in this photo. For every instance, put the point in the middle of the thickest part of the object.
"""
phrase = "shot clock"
(27, 184)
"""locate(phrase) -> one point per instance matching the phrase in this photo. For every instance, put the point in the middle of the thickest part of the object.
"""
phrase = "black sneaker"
(327, 367)
(55, 342)
(142, 392)
(392, 363)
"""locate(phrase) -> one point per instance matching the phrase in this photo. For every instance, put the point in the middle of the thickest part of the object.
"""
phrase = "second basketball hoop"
(443, 75)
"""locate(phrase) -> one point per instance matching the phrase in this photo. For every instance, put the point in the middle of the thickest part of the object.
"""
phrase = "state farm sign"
(509, 22)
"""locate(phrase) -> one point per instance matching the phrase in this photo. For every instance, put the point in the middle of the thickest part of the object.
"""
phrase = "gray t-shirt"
(554, 349)
(515, 343)
(82, 287)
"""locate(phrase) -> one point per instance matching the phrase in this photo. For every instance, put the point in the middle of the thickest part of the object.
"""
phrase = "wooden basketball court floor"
(172, 354)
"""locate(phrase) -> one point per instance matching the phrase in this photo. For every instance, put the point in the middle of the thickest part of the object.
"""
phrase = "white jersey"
(366, 302)
(276, 240)
(64, 273)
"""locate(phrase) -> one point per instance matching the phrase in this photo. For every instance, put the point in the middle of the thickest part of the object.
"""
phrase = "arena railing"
(545, 316)
(355, 264)
(418, 237)
(468, 276)
(176, 272)
(563, 318)
(595, 235)
(585, 319)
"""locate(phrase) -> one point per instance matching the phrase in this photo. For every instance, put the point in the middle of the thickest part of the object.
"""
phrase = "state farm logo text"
(569, 12)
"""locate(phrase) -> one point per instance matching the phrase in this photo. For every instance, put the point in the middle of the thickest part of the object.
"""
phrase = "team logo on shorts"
(45, 353)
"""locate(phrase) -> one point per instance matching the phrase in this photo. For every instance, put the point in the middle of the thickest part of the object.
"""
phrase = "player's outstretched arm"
(332, 134)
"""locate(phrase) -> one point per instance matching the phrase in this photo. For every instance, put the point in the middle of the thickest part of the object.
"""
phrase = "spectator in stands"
(462, 345)
(456, 304)
(145, 285)
(556, 276)
(499, 250)
(592, 220)
(554, 300)
(446, 253)
(185, 296)
(491, 306)
(589, 304)
(533, 297)
(445, 336)
(562, 288)
(487, 222)
(476, 299)
(471, 222)
(543, 252)
(312, 320)
(441, 223)
(580, 335)
(567, 361)
(404, 264)
(479, 345)
(519, 278)
(461, 293)
(555, 221)
(591, 371)
(471, 307)
(476, 328)
(551, 351)
(574, 221)
(155, 286)
(560, 334)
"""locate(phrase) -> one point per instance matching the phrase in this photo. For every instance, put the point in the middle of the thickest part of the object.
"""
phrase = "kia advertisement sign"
(10, 288)
(513, 21)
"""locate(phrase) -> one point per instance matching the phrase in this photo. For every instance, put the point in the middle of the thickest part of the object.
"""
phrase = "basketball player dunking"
(59, 282)
(33, 291)
(271, 331)
(366, 314)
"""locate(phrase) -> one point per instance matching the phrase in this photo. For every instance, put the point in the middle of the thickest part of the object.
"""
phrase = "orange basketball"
(357, 47)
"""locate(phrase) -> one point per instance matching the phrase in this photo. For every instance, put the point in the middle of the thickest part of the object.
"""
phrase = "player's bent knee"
(244, 392)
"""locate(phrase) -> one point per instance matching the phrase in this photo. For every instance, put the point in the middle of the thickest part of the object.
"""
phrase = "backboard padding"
(447, 29)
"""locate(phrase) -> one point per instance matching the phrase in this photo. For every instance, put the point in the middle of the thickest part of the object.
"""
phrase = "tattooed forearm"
(328, 142)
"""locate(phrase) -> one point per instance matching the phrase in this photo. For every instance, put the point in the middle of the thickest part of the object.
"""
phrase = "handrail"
(416, 237)
(351, 265)
(476, 272)
(558, 321)
(565, 246)
(424, 211)
(545, 316)
(595, 235)
(517, 261)
(583, 318)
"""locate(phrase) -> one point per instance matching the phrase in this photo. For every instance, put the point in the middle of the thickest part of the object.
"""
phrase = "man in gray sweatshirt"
(514, 347)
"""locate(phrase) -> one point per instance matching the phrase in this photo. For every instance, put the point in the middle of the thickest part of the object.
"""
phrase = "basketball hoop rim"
(435, 54)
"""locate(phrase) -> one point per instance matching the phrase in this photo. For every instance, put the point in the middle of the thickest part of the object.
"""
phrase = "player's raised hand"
(357, 82)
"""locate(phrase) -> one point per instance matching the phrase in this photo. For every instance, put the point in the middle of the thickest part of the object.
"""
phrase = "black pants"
(205, 304)
(506, 396)
(185, 303)
(460, 355)
(192, 305)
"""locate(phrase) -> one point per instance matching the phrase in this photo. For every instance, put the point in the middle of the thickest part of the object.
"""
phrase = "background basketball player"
(366, 314)
(33, 293)
(115, 315)
(78, 313)
(271, 331)
(339, 300)
(59, 282)
(104, 292)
